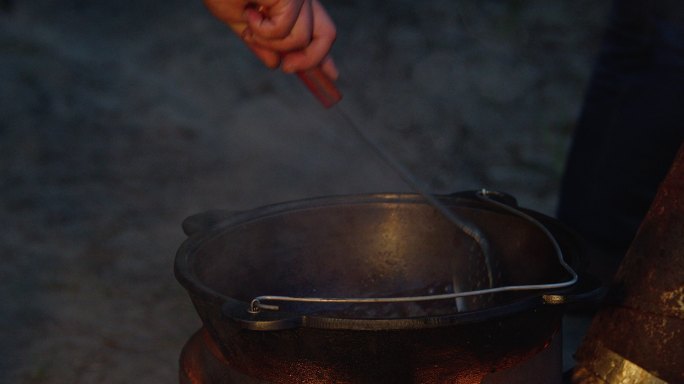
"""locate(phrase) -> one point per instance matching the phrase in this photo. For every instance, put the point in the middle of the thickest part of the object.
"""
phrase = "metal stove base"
(201, 362)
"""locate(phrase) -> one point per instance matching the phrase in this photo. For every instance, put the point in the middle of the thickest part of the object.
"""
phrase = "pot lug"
(205, 221)
(588, 290)
(260, 321)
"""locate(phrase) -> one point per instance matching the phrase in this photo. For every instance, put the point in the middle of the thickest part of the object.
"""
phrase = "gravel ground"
(119, 119)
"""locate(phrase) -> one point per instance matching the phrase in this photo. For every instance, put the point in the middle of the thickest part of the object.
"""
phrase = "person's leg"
(630, 128)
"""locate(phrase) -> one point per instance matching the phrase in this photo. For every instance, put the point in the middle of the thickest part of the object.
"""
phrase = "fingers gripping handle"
(321, 86)
(316, 80)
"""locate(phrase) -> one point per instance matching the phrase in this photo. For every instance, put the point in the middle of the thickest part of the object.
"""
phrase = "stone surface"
(119, 119)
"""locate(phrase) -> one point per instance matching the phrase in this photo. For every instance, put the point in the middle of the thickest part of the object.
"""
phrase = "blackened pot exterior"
(313, 347)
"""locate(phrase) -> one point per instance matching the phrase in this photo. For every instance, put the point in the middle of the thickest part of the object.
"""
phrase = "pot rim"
(237, 310)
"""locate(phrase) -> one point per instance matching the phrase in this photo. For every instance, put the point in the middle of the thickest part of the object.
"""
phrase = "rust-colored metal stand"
(638, 334)
(201, 362)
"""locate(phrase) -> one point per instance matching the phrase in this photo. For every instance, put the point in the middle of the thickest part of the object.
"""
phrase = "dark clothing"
(631, 125)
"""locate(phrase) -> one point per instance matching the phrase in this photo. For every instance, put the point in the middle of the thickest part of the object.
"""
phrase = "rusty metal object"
(613, 368)
(201, 362)
(640, 328)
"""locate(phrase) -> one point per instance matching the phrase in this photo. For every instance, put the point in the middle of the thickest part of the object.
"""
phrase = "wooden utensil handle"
(321, 86)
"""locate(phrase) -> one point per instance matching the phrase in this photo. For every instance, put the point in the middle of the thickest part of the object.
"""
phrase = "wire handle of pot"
(261, 302)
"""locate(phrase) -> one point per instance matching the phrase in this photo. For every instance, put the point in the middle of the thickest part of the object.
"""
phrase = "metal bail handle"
(258, 303)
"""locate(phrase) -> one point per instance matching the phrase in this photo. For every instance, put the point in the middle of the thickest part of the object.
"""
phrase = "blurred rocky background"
(120, 118)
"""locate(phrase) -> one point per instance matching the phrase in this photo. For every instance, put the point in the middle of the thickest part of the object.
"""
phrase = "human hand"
(295, 35)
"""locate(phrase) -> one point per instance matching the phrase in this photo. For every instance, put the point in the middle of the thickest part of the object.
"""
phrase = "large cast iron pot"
(389, 245)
